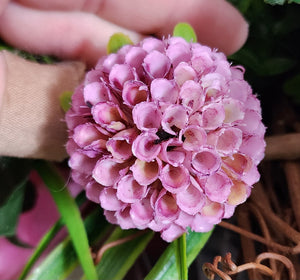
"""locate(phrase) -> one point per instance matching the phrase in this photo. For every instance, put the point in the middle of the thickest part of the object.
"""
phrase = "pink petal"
(141, 212)
(166, 208)
(144, 146)
(178, 52)
(238, 164)
(93, 191)
(200, 224)
(110, 216)
(191, 200)
(174, 119)
(147, 116)
(206, 161)
(192, 95)
(107, 171)
(184, 72)
(213, 83)
(254, 147)
(194, 137)
(87, 134)
(109, 201)
(175, 179)
(151, 44)
(96, 92)
(172, 232)
(201, 58)
(129, 190)
(109, 115)
(251, 122)
(239, 193)
(239, 90)
(229, 140)
(218, 186)
(156, 64)
(144, 172)
(172, 152)
(81, 163)
(234, 110)
(119, 74)
(134, 57)
(228, 211)
(124, 219)
(164, 90)
(213, 212)
(134, 92)
(107, 64)
(120, 144)
(213, 116)
(184, 220)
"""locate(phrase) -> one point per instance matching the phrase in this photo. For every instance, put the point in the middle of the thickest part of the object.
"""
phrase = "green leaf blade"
(70, 215)
(10, 211)
(185, 31)
(165, 267)
(62, 260)
(122, 256)
(181, 261)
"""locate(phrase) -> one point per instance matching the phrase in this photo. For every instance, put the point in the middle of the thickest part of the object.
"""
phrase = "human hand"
(79, 30)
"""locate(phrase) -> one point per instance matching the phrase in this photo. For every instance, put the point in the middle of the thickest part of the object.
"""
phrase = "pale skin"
(77, 31)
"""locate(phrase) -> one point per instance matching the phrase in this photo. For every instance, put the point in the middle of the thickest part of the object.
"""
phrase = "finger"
(30, 107)
(216, 22)
(3, 4)
(71, 35)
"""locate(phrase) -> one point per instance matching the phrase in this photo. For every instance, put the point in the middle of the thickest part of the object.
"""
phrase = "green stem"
(70, 215)
(40, 248)
(180, 245)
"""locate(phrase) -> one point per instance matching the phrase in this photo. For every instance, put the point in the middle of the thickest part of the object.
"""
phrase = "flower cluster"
(165, 135)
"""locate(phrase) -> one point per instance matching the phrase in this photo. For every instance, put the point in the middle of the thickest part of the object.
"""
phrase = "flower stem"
(70, 215)
(180, 245)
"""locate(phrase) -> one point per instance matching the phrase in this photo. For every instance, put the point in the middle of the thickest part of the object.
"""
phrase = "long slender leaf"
(63, 259)
(165, 268)
(116, 262)
(46, 239)
(180, 246)
(10, 211)
(70, 214)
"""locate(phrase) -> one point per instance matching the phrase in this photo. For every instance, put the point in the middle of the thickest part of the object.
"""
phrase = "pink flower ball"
(165, 135)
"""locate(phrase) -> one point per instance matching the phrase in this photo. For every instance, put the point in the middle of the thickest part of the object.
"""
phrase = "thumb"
(31, 119)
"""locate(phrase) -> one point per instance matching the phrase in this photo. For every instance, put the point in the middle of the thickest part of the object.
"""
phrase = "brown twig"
(115, 243)
(248, 246)
(286, 146)
(228, 267)
(271, 244)
(292, 171)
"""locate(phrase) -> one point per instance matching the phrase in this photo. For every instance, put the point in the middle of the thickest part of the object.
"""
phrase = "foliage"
(272, 59)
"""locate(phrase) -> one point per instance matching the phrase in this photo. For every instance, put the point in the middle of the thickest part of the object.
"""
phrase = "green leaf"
(117, 41)
(292, 88)
(60, 263)
(185, 31)
(275, 2)
(13, 173)
(277, 65)
(165, 267)
(10, 211)
(116, 261)
(46, 239)
(70, 215)
(65, 100)
(180, 246)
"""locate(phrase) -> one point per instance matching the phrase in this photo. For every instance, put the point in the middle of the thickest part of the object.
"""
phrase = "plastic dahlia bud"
(165, 135)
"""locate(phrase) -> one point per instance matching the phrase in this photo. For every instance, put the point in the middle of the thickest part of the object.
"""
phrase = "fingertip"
(3, 67)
